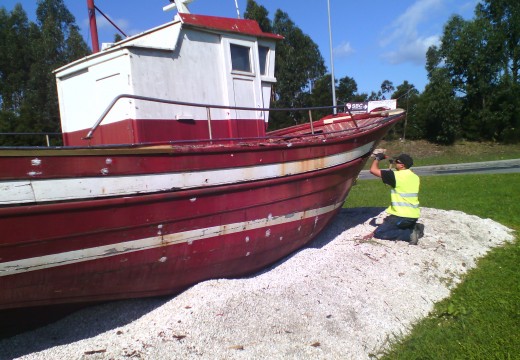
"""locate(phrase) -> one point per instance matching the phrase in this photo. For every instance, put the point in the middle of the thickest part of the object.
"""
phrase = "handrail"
(173, 102)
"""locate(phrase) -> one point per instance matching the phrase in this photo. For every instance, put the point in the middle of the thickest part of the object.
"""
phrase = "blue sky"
(372, 40)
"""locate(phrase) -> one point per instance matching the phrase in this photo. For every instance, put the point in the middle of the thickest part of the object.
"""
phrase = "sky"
(372, 40)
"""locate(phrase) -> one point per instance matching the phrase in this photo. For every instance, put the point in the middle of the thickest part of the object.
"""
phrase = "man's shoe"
(420, 230)
(414, 237)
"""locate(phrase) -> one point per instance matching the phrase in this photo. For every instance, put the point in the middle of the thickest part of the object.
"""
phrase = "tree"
(482, 60)
(57, 43)
(15, 64)
(502, 19)
(321, 95)
(386, 88)
(28, 89)
(259, 14)
(472, 67)
(438, 110)
(299, 63)
(347, 89)
(407, 96)
(15, 60)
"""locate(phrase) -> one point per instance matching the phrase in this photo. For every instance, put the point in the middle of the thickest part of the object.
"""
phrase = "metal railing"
(198, 105)
(207, 107)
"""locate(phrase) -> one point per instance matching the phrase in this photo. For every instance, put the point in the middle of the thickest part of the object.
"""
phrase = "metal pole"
(208, 112)
(332, 63)
(406, 116)
(238, 12)
(93, 25)
(312, 125)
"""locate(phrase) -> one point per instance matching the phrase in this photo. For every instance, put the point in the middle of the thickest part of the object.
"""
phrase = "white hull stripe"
(106, 251)
(26, 191)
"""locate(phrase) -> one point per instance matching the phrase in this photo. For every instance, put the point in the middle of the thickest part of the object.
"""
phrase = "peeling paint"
(281, 238)
(49, 189)
(248, 253)
(104, 171)
(268, 233)
(163, 259)
(247, 238)
(193, 199)
(34, 173)
(145, 244)
(36, 162)
(108, 161)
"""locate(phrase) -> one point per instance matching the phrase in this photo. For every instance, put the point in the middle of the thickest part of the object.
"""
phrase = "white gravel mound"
(339, 298)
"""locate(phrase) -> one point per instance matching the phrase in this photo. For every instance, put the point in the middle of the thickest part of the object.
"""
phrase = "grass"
(425, 153)
(481, 318)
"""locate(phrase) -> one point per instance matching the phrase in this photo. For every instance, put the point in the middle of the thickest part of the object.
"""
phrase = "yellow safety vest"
(405, 197)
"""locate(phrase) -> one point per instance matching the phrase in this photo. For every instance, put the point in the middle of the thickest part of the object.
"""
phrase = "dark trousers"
(395, 228)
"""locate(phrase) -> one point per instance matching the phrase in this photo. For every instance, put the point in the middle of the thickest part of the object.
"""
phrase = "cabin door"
(244, 87)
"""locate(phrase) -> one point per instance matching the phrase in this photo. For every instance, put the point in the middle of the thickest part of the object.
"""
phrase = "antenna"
(181, 6)
(238, 12)
(334, 102)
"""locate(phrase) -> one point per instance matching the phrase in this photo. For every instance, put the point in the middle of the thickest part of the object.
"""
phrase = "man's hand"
(379, 156)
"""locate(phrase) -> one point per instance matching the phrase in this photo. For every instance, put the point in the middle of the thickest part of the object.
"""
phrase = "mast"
(93, 25)
(334, 103)
(181, 6)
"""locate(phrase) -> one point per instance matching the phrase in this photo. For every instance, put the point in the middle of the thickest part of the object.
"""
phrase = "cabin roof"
(238, 26)
(201, 22)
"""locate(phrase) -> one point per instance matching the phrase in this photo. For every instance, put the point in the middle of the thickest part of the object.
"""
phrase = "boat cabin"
(194, 59)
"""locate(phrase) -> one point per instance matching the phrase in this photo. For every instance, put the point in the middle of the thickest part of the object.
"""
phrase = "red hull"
(237, 208)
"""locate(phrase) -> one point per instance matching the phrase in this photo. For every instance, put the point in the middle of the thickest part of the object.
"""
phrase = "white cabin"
(193, 59)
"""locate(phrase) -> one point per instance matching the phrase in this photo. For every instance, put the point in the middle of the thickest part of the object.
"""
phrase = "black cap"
(405, 159)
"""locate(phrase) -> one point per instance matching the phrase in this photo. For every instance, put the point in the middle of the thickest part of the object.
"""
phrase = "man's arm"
(374, 168)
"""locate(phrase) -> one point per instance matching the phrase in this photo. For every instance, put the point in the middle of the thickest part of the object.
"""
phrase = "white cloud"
(403, 39)
(343, 50)
(414, 52)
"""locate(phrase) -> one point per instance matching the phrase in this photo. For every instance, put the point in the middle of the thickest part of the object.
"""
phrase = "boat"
(168, 176)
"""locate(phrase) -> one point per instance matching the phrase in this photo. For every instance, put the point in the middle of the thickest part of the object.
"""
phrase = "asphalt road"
(485, 167)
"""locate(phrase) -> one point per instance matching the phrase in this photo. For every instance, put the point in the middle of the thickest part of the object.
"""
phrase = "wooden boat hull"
(90, 225)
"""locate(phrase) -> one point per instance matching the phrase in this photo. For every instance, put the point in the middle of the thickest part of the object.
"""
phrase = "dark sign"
(356, 107)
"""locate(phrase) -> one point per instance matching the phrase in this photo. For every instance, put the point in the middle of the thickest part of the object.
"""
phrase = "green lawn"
(425, 153)
(481, 319)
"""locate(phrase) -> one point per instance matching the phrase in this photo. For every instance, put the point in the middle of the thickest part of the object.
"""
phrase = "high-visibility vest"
(405, 196)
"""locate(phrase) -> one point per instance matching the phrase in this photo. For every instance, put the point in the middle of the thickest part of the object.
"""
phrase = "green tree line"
(29, 52)
(473, 89)
(473, 77)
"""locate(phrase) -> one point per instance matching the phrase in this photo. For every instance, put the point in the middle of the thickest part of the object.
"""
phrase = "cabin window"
(263, 52)
(240, 58)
